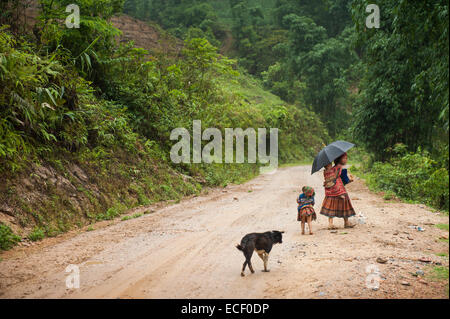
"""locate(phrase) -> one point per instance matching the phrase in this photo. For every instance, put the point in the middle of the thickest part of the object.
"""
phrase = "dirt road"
(188, 250)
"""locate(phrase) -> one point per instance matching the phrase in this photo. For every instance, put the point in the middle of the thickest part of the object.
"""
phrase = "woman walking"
(337, 202)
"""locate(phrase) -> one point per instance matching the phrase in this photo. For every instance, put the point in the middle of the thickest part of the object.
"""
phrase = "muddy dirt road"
(188, 250)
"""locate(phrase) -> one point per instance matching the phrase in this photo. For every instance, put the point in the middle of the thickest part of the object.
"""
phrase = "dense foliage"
(78, 96)
(7, 238)
(378, 87)
(182, 18)
(57, 88)
(403, 97)
(302, 49)
(316, 52)
(45, 104)
(310, 68)
(404, 88)
(412, 176)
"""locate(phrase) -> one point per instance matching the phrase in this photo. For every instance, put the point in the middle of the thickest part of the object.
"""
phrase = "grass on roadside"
(37, 234)
(440, 274)
(7, 237)
(442, 226)
(137, 215)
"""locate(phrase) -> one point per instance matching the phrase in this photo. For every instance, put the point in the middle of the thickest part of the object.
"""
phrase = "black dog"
(262, 243)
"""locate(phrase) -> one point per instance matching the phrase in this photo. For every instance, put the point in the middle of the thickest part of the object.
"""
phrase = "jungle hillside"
(86, 113)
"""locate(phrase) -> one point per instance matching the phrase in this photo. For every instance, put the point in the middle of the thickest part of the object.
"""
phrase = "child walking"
(305, 209)
(337, 202)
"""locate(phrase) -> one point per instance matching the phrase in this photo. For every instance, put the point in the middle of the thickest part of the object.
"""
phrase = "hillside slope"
(62, 182)
(144, 35)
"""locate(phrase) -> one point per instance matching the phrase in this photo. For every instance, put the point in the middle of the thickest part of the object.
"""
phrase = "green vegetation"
(7, 238)
(112, 212)
(377, 87)
(401, 110)
(411, 176)
(301, 131)
(128, 217)
(405, 79)
(86, 120)
(442, 226)
(440, 273)
(300, 49)
(37, 234)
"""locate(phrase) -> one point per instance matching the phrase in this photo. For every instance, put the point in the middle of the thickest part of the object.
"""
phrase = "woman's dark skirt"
(337, 206)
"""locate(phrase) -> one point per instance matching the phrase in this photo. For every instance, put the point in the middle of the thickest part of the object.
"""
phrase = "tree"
(316, 65)
(404, 92)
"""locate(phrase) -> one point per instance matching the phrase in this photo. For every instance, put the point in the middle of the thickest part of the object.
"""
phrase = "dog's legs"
(251, 267)
(260, 254)
(243, 268)
(265, 259)
(248, 258)
(248, 261)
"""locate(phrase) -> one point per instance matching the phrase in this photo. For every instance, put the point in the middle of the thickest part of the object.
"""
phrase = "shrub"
(436, 189)
(37, 234)
(112, 212)
(7, 238)
(412, 176)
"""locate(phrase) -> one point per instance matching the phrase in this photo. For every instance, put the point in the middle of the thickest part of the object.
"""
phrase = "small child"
(305, 208)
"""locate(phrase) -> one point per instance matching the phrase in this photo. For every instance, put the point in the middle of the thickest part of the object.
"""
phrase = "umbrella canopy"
(329, 153)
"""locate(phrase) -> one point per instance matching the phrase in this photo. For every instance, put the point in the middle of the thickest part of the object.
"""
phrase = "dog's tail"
(240, 247)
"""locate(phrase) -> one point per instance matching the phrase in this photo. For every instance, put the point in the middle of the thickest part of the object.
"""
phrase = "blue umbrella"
(329, 153)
